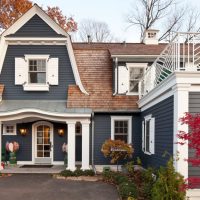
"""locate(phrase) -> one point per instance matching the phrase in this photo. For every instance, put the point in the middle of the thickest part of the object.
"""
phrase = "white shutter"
(123, 79)
(52, 71)
(143, 135)
(21, 71)
(152, 135)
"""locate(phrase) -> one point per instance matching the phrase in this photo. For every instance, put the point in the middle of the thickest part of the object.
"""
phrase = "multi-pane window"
(135, 73)
(9, 129)
(37, 71)
(121, 128)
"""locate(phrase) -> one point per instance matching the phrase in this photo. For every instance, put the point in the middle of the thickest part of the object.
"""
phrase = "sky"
(113, 12)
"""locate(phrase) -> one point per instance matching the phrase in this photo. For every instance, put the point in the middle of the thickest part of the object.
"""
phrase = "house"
(54, 91)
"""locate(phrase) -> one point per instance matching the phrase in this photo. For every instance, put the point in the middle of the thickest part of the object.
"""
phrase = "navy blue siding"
(194, 108)
(25, 142)
(16, 92)
(163, 113)
(102, 131)
(36, 27)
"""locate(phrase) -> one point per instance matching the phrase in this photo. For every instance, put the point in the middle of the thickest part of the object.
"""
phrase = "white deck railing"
(182, 53)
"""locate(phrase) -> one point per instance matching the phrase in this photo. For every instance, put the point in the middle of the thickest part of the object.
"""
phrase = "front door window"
(43, 141)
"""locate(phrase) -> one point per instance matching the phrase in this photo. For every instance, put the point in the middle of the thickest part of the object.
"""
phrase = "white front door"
(43, 143)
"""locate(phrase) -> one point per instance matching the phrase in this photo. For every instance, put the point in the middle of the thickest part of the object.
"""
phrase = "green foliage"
(169, 184)
(118, 179)
(149, 179)
(130, 167)
(127, 189)
(139, 162)
(77, 172)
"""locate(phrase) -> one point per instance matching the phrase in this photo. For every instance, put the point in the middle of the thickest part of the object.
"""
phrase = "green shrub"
(88, 172)
(130, 167)
(168, 184)
(139, 162)
(77, 172)
(127, 189)
(66, 173)
(120, 179)
(109, 176)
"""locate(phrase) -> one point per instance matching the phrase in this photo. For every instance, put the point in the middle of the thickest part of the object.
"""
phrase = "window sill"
(36, 87)
(9, 134)
(132, 93)
(148, 153)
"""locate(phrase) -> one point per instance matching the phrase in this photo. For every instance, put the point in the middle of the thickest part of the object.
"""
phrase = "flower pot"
(12, 158)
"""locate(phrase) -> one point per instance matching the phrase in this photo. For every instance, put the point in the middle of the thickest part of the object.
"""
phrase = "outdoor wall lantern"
(23, 131)
(61, 132)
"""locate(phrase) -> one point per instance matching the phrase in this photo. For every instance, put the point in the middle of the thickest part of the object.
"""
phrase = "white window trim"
(14, 128)
(35, 86)
(137, 65)
(147, 118)
(129, 119)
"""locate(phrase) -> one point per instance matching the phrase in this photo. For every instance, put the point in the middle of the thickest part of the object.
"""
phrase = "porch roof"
(57, 107)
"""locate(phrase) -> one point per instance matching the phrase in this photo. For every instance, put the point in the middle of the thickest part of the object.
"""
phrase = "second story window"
(37, 71)
(135, 73)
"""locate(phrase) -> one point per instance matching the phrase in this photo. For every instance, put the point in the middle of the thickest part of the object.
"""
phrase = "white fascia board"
(28, 15)
(38, 111)
(74, 66)
(179, 79)
(3, 50)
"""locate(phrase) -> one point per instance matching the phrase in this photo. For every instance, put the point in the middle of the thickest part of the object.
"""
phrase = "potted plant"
(12, 148)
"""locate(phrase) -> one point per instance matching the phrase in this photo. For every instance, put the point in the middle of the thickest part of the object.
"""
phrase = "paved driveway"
(44, 187)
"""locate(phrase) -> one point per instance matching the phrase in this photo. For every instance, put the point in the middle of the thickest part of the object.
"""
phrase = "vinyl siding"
(194, 108)
(16, 92)
(102, 132)
(35, 27)
(163, 113)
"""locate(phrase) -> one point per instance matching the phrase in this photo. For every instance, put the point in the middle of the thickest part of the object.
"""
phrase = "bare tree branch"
(98, 31)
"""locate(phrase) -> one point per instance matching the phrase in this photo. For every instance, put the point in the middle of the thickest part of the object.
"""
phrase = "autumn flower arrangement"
(12, 148)
(65, 150)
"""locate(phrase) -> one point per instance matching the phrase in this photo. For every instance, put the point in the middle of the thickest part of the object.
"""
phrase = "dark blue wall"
(102, 131)
(25, 142)
(163, 113)
(16, 92)
(35, 27)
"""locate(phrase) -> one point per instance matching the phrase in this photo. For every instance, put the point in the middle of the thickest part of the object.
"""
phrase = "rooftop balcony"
(181, 54)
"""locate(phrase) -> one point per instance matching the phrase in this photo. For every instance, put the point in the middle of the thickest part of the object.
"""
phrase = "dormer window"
(37, 71)
(129, 77)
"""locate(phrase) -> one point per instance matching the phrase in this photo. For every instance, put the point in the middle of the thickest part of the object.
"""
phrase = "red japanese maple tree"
(192, 138)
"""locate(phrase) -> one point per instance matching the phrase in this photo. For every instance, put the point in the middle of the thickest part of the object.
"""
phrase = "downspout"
(93, 166)
(116, 76)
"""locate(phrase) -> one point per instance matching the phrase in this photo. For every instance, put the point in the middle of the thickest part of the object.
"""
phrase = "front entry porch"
(42, 143)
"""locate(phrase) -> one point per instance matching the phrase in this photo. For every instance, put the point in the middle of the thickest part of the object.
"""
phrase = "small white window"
(121, 128)
(148, 135)
(135, 71)
(9, 129)
(37, 71)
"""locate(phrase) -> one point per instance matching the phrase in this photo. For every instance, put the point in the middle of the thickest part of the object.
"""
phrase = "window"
(9, 129)
(78, 128)
(121, 127)
(37, 71)
(148, 135)
(151, 35)
(135, 74)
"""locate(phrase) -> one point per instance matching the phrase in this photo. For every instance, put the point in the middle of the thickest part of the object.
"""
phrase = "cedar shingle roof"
(123, 49)
(95, 69)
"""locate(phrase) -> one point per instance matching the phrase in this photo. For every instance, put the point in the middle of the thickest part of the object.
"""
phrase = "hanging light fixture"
(61, 132)
(23, 131)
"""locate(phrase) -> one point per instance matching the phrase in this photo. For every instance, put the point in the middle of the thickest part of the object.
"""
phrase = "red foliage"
(193, 140)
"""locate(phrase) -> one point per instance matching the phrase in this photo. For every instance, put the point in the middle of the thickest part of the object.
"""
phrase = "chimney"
(89, 39)
(151, 37)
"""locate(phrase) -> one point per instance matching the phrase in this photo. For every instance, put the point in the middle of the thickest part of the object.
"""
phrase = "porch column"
(181, 105)
(71, 145)
(0, 142)
(85, 145)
